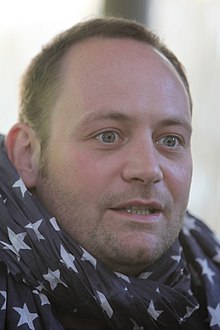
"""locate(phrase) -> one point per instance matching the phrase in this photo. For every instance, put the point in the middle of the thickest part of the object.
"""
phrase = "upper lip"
(149, 204)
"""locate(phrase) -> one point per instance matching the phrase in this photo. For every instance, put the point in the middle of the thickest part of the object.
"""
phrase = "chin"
(132, 259)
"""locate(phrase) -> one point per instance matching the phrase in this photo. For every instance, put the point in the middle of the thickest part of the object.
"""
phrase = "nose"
(142, 163)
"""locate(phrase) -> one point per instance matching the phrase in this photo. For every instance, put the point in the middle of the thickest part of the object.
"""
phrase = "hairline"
(53, 90)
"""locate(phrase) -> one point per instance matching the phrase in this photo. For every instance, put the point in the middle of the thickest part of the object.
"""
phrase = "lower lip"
(147, 218)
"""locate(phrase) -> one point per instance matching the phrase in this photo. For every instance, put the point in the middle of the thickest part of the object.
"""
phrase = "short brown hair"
(40, 83)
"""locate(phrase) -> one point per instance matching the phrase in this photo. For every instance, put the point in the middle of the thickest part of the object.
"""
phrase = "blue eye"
(108, 137)
(170, 141)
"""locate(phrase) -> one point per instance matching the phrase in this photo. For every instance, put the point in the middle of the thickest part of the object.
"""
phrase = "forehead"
(119, 73)
(99, 50)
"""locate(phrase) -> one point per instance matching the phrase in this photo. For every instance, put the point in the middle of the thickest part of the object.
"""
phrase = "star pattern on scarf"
(35, 226)
(68, 259)
(136, 326)
(190, 225)
(153, 312)
(206, 270)
(88, 257)
(105, 304)
(26, 317)
(43, 298)
(53, 277)
(189, 311)
(215, 315)
(53, 222)
(17, 240)
(124, 277)
(3, 200)
(216, 257)
(3, 293)
(11, 248)
(145, 275)
(177, 258)
(153, 300)
(20, 184)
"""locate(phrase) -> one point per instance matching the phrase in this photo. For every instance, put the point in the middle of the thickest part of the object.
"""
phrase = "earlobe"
(23, 150)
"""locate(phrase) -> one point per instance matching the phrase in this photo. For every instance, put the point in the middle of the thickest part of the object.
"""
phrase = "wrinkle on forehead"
(119, 74)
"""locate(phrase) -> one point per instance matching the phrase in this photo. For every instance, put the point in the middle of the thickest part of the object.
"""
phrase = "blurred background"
(191, 28)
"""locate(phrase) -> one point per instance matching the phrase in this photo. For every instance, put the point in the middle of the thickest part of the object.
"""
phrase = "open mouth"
(139, 210)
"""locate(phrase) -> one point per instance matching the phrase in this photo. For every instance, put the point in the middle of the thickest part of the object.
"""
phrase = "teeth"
(138, 210)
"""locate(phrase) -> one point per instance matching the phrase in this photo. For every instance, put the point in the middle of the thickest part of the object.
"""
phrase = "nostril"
(142, 163)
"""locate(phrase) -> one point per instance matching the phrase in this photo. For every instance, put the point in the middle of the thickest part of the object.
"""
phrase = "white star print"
(188, 225)
(145, 275)
(25, 316)
(176, 258)
(215, 315)
(53, 222)
(17, 240)
(88, 257)
(68, 259)
(40, 287)
(3, 200)
(136, 326)
(11, 248)
(3, 293)
(35, 227)
(216, 257)
(190, 310)
(153, 312)
(53, 277)
(105, 304)
(20, 184)
(190, 292)
(124, 277)
(44, 300)
(206, 270)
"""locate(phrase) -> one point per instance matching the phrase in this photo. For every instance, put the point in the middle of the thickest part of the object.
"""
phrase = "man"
(95, 179)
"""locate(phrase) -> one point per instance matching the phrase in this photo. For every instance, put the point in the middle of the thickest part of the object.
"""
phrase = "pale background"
(191, 28)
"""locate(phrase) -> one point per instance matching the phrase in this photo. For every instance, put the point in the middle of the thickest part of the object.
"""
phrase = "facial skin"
(119, 141)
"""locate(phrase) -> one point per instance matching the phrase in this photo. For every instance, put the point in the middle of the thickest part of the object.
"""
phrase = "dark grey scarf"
(40, 265)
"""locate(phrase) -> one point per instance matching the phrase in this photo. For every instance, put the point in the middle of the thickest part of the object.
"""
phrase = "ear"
(23, 150)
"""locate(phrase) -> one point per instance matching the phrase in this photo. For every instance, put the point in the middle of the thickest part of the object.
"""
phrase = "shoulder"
(198, 239)
(21, 303)
(194, 226)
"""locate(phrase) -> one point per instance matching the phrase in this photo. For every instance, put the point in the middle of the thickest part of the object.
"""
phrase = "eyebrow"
(121, 117)
(106, 115)
(177, 121)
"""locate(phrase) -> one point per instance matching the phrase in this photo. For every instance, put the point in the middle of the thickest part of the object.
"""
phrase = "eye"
(108, 137)
(170, 141)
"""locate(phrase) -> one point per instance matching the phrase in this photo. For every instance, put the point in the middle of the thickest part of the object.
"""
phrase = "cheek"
(178, 178)
(91, 174)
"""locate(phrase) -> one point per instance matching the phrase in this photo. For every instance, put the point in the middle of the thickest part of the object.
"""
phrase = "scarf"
(41, 266)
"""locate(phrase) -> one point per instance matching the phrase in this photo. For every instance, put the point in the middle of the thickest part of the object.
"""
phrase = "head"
(41, 83)
(104, 140)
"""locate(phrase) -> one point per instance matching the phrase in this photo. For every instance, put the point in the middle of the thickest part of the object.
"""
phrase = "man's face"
(118, 162)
